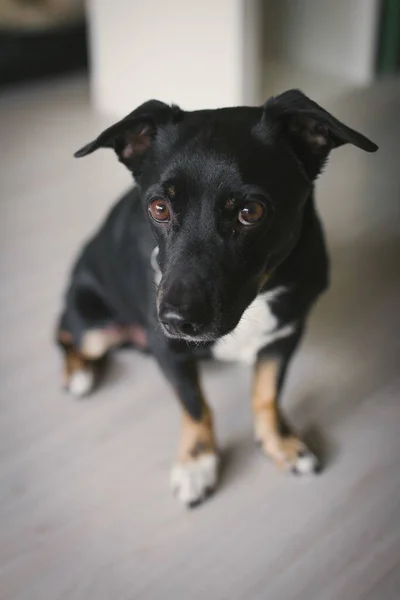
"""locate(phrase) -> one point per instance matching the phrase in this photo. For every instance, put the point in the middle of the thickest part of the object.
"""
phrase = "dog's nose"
(177, 323)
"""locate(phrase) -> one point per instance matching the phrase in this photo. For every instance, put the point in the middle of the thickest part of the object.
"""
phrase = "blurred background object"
(85, 510)
(39, 38)
(389, 38)
(205, 54)
(236, 51)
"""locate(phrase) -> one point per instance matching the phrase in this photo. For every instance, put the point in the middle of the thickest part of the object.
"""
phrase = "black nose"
(178, 324)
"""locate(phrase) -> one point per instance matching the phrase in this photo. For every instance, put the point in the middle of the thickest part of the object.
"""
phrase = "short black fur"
(206, 168)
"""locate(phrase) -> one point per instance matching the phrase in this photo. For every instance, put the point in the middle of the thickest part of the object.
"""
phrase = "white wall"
(208, 53)
(336, 37)
(196, 53)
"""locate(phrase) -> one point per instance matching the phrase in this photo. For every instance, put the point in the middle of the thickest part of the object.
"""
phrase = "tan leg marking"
(287, 450)
(195, 473)
(64, 337)
(79, 368)
(197, 437)
(97, 342)
(78, 375)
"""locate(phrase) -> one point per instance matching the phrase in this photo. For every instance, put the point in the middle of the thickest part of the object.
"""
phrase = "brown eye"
(159, 211)
(251, 213)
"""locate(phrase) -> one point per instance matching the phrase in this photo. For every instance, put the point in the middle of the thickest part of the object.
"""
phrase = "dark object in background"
(39, 38)
(388, 60)
(31, 55)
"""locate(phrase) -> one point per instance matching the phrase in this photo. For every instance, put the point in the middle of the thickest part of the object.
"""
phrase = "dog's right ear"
(131, 137)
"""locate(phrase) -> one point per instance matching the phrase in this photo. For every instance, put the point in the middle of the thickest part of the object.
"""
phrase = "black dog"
(217, 251)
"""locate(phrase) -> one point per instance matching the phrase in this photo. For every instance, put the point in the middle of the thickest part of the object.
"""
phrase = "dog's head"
(224, 191)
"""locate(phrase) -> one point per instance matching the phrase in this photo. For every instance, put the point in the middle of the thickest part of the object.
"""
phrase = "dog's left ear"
(311, 130)
(132, 136)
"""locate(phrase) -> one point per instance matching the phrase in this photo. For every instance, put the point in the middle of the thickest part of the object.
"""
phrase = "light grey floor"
(85, 511)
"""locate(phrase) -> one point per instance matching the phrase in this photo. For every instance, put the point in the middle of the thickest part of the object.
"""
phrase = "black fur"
(207, 165)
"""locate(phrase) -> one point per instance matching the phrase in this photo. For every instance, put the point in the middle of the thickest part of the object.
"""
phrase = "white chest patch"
(156, 268)
(256, 329)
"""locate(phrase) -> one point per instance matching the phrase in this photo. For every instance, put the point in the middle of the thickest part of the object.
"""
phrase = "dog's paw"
(193, 480)
(81, 382)
(291, 454)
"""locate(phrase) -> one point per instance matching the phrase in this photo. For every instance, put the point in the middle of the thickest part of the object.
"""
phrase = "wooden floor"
(85, 510)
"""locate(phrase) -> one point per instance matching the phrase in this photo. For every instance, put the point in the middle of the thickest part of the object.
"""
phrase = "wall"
(335, 37)
(196, 54)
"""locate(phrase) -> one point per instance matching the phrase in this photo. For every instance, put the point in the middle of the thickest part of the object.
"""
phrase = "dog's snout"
(184, 309)
(177, 323)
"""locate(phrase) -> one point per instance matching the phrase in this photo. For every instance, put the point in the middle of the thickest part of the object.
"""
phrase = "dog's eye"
(159, 211)
(251, 213)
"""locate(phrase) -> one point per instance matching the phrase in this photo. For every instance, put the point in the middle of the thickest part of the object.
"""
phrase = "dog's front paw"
(291, 454)
(81, 382)
(193, 480)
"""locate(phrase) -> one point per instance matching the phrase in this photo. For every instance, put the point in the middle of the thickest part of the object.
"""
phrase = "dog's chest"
(256, 329)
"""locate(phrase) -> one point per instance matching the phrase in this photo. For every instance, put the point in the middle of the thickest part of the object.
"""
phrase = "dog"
(216, 252)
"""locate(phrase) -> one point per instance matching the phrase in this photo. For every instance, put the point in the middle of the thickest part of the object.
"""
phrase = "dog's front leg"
(277, 440)
(194, 475)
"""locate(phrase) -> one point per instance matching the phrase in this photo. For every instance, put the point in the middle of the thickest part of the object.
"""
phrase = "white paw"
(291, 454)
(81, 382)
(306, 463)
(192, 481)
